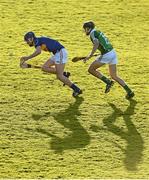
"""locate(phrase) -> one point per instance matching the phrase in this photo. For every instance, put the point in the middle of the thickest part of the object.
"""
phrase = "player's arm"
(95, 47)
(35, 53)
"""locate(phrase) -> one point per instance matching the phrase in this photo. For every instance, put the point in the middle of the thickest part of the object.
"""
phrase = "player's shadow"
(78, 136)
(134, 148)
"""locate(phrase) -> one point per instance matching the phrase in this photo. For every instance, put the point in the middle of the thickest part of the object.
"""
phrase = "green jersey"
(104, 44)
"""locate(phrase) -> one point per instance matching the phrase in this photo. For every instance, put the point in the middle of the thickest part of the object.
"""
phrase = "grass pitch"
(45, 133)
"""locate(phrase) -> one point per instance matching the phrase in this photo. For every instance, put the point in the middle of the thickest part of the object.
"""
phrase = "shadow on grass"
(134, 149)
(78, 137)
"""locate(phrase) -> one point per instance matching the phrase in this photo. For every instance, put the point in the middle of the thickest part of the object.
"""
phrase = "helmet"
(89, 24)
(29, 35)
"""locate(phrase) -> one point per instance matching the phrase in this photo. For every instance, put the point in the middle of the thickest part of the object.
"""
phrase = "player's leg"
(65, 80)
(93, 70)
(48, 66)
(60, 59)
(113, 74)
(59, 72)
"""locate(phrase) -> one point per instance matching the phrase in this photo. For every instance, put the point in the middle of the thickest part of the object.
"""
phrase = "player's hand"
(23, 59)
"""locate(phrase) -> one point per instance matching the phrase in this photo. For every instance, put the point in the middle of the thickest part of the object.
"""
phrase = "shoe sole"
(77, 94)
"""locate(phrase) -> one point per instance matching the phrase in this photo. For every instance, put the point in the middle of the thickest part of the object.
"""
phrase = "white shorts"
(60, 57)
(108, 58)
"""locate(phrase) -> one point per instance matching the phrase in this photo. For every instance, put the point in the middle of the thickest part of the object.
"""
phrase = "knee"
(91, 69)
(44, 68)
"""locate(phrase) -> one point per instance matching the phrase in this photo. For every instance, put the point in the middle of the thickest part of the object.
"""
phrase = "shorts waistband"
(107, 51)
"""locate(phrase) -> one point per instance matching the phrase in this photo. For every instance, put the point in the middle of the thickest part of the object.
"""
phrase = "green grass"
(45, 132)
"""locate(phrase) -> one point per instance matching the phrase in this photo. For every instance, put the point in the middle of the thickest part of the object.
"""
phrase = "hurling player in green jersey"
(108, 56)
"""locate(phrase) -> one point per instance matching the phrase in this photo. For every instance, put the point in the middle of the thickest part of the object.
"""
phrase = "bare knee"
(91, 70)
(44, 68)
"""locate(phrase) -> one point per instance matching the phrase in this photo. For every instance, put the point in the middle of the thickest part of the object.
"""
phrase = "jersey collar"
(36, 41)
(92, 31)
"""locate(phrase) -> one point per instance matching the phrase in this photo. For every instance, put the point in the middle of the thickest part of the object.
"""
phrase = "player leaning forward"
(108, 56)
(54, 64)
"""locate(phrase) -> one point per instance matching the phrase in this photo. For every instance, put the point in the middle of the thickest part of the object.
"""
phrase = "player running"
(54, 64)
(108, 56)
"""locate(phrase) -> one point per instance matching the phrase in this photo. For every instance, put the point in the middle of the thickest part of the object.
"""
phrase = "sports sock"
(64, 73)
(127, 89)
(75, 88)
(105, 79)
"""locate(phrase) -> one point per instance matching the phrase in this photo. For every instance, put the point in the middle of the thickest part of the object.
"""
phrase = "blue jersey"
(48, 44)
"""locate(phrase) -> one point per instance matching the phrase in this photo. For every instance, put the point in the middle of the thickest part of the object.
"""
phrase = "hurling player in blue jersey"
(56, 63)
